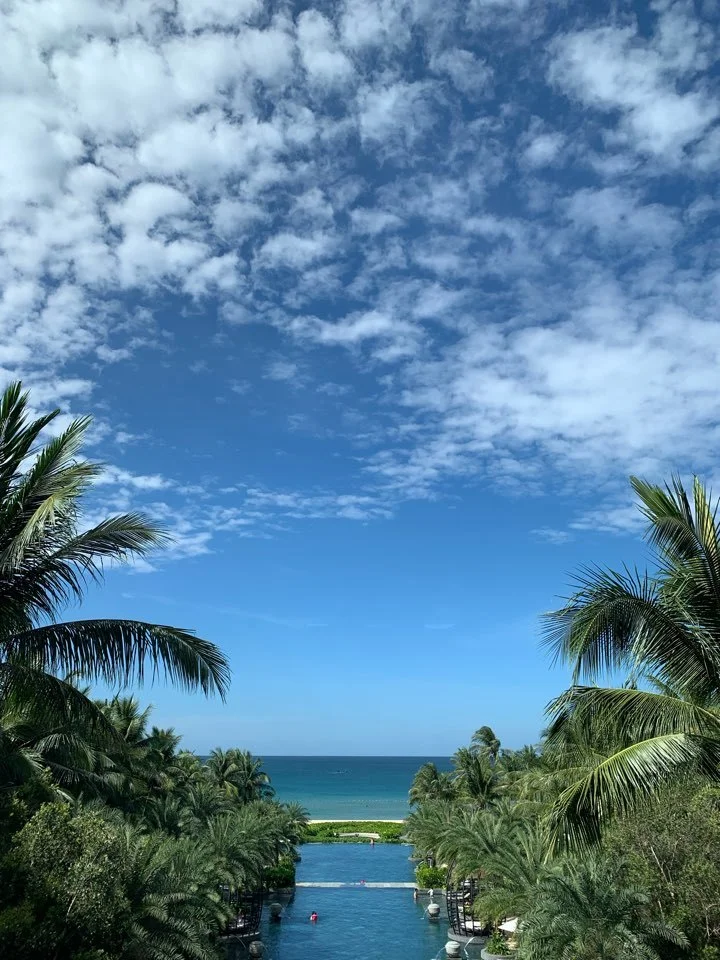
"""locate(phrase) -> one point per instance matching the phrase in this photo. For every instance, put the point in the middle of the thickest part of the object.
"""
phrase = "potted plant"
(496, 947)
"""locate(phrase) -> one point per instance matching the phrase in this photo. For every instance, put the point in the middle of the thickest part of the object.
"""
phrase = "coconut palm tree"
(46, 559)
(203, 800)
(663, 625)
(429, 825)
(239, 774)
(187, 769)
(430, 784)
(582, 914)
(295, 819)
(475, 775)
(486, 742)
(29, 745)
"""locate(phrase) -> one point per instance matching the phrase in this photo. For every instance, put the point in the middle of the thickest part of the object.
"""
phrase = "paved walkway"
(338, 884)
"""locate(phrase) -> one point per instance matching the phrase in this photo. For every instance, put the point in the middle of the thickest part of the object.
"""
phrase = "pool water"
(352, 862)
(355, 923)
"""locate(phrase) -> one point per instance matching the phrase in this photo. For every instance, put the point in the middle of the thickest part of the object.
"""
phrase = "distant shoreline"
(356, 820)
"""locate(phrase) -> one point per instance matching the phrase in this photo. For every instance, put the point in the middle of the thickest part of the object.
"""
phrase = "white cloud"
(116, 476)
(317, 506)
(373, 221)
(282, 370)
(543, 149)
(397, 113)
(292, 250)
(196, 14)
(613, 69)
(617, 216)
(469, 74)
(552, 535)
(374, 176)
(325, 63)
(146, 204)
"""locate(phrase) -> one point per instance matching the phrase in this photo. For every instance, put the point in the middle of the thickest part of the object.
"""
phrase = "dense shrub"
(430, 878)
(282, 875)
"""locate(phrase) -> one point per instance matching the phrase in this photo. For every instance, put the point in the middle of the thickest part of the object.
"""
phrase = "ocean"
(348, 788)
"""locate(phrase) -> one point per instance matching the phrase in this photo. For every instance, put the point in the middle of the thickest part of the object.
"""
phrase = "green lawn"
(334, 832)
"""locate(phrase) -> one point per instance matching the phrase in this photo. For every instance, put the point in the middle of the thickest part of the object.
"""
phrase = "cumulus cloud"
(616, 69)
(503, 223)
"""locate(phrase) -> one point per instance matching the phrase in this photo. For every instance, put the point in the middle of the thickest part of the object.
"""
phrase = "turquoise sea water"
(354, 923)
(348, 788)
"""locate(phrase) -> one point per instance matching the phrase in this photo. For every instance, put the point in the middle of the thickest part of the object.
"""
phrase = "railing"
(459, 899)
(247, 911)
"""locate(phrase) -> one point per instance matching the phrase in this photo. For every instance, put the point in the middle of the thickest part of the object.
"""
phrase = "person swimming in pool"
(313, 917)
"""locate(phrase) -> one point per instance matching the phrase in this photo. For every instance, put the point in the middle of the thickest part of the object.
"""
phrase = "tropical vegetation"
(328, 832)
(115, 844)
(603, 841)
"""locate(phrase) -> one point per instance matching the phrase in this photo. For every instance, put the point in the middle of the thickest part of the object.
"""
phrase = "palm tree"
(475, 776)
(173, 899)
(582, 914)
(253, 782)
(129, 721)
(664, 625)
(187, 769)
(203, 800)
(485, 741)
(295, 819)
(239, 774)
(46, 559)
(245, 841)
(430, 784)
(30, 745)
(166, 813)
(515, 868)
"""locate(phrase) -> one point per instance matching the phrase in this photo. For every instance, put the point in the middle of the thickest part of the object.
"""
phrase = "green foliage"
(130, 865)
(280, 876)
(69, 888)
(672, 851)
(337, 832)
(430, 783)
(662, 628)
(497, 945)
(584, 913)
(652, 887)
(238, 774)
(430, 878)
(138, 880)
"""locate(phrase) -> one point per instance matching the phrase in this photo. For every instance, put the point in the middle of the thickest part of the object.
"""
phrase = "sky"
(376, 304)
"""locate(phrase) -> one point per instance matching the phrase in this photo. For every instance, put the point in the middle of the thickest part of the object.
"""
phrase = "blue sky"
(376, 305)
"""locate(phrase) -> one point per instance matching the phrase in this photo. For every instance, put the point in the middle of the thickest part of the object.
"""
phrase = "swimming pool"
(352, 862)
(355, 923)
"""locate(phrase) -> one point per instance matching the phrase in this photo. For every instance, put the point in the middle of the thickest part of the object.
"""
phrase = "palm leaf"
(120, 651)
(625, 780)
(621, 713)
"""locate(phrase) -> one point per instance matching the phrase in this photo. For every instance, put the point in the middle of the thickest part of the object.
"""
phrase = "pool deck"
(335, 885)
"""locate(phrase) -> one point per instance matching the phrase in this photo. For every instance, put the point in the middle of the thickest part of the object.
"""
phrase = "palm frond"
(121, 651)
(625, 780)
(622, 622)
(612, 715)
